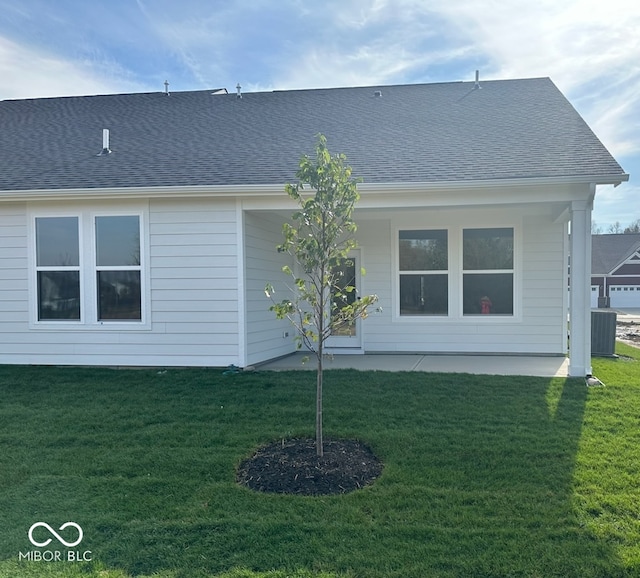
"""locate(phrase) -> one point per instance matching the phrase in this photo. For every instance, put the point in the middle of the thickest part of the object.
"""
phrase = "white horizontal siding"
(194, 281)
(539, 325)
(263, 264)
(14, 302)
(193, 291)
(196, 300)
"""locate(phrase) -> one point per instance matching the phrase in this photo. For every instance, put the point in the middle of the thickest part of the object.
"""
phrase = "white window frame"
(456, 272)
(423, 272)
(464, 272)
(88, 270)
(34, 269)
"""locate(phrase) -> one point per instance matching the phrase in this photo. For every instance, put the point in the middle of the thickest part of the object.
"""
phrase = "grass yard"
(483, 476)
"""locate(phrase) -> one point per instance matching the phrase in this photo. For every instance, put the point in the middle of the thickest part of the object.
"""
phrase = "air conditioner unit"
(603, 333)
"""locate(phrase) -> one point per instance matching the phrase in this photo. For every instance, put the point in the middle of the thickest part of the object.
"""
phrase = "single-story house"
(615, 271)
(141, 229)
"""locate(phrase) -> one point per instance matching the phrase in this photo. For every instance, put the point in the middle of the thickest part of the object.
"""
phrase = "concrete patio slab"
(478, 364)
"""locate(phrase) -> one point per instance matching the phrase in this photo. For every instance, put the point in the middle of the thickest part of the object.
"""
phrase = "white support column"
(580, 290)
(241, 295)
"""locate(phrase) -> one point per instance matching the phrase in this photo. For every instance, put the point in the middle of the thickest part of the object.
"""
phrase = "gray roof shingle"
(609, 251)
(412, 133)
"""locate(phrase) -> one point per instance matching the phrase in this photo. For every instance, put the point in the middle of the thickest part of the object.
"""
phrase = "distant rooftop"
(608, 251)
(506, 129)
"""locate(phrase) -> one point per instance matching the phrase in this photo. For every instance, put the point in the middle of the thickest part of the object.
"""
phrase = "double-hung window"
(58, 268)
(487, 276)
(117, 252)
(424, 274)
(88, 269)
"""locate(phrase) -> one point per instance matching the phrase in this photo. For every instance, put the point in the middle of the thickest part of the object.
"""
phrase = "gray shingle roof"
(609, 251)
(412, 133)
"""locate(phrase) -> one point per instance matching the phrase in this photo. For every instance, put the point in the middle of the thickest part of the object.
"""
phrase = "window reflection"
(58, 295)
(424, 281)
(424, 295)
(488, 271)
(486, 249)
(117, 241)
(423, 250)
(488, 294)
(57, 242)
(119, 296)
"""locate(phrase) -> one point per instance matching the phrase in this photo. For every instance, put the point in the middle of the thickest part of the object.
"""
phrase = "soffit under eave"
(483, 192)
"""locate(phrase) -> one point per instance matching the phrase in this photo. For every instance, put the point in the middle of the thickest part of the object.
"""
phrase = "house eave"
(261, 190)
(615, 180)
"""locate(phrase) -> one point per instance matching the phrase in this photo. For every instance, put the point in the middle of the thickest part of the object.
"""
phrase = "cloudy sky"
(589, 48)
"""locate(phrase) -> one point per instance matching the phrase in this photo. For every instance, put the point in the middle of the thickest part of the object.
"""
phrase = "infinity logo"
(54, 533)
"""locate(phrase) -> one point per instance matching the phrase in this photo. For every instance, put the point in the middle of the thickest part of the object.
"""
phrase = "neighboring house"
(615, 271)
(153, 246)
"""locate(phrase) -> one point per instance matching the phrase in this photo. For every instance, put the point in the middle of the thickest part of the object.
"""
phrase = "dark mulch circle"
(292, 467)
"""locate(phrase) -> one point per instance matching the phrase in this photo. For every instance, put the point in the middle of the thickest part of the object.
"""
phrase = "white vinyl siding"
(14, 303)
(205, 287)
(267, 337)
(194, 280)
(540, 279)
(192, 292)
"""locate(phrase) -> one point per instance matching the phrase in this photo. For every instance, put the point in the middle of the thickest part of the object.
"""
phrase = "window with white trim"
(424, 272)
(118, 282)
(487, 276)
(88, 270)
(58, 268)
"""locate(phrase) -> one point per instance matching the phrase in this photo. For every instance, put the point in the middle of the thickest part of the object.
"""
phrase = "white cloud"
(617, 204)
(590, 48)
(29, 73)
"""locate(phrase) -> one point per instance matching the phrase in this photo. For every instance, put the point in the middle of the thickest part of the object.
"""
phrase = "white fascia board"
(494, 183)
(142, 192)
(247, 191)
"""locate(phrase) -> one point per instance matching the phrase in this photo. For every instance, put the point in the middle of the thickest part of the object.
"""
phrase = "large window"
(487, 262)
(58, 268)
(424, 275)
(90, 275)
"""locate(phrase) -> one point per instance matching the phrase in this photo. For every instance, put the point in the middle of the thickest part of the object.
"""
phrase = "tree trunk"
(320, 354)
(319, 444)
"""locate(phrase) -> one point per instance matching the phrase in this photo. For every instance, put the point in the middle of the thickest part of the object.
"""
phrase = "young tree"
(319, 239)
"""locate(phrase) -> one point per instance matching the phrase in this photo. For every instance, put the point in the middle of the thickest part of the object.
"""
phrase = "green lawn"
(484, 476)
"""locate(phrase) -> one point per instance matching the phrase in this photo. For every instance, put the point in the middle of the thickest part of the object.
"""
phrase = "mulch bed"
(292, 467)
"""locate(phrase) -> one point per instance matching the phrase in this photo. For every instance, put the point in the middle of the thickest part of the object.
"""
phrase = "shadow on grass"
(477, 481)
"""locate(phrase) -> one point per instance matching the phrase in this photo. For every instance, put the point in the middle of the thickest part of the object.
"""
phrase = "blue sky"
(589, 48)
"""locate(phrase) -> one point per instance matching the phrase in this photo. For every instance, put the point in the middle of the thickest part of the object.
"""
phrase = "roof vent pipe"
(166, 87)
(477, 85)
(239, 89)
(377, 93)
(105, 142)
